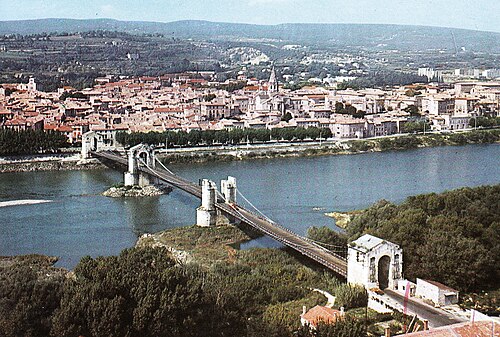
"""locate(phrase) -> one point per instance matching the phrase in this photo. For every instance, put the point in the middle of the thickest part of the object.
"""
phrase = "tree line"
(144, 292)
(26, 142)
(223, 137)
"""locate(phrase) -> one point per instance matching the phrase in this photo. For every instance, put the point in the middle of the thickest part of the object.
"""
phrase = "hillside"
(356, 35)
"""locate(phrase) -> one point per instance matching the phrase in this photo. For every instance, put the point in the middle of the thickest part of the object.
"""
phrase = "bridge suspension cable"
(338, 250)
(253, 206)
(164, 167)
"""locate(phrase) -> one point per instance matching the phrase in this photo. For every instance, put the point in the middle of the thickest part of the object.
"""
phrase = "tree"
(30, 291)
(339, 107)
(287, 117)
(141, 292)
(413, 111)
(455, 260)
(329, 238)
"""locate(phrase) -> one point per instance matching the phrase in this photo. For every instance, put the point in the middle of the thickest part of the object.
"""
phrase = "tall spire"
(273, 81)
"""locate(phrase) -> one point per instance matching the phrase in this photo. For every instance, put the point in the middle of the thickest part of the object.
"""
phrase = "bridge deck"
(314, 251)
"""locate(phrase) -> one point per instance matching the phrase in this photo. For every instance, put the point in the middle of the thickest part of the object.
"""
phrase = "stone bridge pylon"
(139, 156)
(206, 214)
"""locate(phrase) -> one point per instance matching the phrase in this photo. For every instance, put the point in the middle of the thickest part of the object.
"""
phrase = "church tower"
(273, 82)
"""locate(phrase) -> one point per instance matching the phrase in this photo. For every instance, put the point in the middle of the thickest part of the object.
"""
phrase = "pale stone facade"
(374, 263)
(438, 293)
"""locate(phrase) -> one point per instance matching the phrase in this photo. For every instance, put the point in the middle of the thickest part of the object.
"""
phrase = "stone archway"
(384, 264)
(144, 156)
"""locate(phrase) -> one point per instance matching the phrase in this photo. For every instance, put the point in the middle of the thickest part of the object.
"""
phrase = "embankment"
(49, 165)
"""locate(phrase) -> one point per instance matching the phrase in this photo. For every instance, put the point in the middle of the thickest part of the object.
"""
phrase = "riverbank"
(49, 163)
(266, 151)
(342, 219)
(343, 147)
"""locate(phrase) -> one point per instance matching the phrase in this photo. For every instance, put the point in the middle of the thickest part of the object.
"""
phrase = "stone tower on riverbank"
(374, 263)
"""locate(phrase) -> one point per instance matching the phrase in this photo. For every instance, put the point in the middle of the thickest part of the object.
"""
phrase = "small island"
(122, 191)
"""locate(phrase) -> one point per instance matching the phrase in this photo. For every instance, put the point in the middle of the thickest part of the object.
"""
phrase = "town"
(196, 101)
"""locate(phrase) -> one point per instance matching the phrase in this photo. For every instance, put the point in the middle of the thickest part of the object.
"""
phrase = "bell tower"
(273, 82)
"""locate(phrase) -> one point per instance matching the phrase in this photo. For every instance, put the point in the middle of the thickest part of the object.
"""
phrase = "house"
(320, 314)
(438, 293)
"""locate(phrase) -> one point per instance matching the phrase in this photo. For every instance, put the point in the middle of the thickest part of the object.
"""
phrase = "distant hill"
(356, 35)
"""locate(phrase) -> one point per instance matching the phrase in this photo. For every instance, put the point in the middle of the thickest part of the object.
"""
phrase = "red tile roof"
(321, 314)
(478, 329)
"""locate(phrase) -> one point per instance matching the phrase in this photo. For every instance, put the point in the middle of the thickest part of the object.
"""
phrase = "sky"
(476, 15)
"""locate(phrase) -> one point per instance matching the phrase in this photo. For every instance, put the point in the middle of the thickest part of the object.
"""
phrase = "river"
(70, 219)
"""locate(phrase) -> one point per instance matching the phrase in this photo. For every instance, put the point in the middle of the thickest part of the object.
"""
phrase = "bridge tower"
(228, 189)
(101, 140)
(206, 214)
(139, 155)
(374, 263)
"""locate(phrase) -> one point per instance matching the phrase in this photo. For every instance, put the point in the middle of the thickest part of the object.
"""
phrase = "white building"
(374, 263)
(437, 292)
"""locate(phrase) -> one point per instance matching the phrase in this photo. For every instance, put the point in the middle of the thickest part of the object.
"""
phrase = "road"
(436, 317)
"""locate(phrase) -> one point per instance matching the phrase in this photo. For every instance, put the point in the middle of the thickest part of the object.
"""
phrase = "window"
(397, 271)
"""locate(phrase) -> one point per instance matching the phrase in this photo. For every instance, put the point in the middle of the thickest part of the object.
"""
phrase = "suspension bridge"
(142, 166)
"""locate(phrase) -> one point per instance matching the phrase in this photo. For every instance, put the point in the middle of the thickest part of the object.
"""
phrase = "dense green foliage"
(350, 296)
(451, 237)
(485, 122)
(399, 143)
(30, 142)
(224, 137)
(142, 292)
(413, 127)
(28, 296)
(330, 239)
(139, 293)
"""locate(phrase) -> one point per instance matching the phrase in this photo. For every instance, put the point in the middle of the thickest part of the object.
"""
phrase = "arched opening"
(94, 144)
(383, 272)
(144, 157)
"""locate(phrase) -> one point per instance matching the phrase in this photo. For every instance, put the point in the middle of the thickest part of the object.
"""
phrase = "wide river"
(294, 192)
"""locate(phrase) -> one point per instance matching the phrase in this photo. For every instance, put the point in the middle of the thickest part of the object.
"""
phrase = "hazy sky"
(477, 14)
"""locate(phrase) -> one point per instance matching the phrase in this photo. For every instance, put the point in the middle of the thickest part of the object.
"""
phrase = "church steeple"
(273, 81)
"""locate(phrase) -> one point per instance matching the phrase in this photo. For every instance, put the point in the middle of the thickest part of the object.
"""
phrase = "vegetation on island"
(25, 142)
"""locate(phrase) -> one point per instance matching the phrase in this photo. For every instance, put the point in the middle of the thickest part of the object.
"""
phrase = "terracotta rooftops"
(321, 314)
(477, 329)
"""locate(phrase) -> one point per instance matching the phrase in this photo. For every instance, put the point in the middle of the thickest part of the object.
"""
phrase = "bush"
(350, 296)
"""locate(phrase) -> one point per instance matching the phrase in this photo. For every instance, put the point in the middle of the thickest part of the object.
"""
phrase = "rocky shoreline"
(342, 219)
(51, 165)
(136, 191)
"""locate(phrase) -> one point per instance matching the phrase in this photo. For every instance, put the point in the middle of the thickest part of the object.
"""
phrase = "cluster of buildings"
(377, 265)
(459, 74)
(188, 102)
